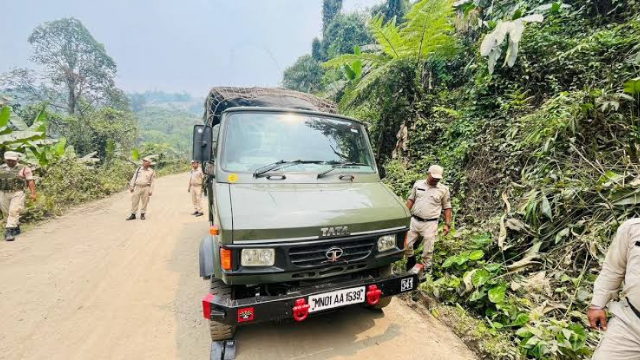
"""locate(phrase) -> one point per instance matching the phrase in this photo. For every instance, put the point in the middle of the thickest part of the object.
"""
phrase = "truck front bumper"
(297, 305)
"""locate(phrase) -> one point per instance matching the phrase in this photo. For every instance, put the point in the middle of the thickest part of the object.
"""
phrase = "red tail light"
(300, 310)
(373, 294)
(206, 306)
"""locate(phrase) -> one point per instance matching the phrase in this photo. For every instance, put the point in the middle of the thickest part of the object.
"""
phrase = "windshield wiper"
(339, 165)
(279, 165)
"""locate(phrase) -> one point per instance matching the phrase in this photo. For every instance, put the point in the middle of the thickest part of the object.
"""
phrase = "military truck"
(300, 222)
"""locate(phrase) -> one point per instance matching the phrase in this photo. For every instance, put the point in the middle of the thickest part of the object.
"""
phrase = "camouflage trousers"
(12, 205)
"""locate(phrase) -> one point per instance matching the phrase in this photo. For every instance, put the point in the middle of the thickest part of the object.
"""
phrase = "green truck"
(300, 222)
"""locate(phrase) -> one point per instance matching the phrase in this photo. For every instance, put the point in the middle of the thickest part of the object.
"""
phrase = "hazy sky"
(173, 45)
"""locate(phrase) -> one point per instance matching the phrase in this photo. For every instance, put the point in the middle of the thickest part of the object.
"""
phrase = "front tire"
(220, 331)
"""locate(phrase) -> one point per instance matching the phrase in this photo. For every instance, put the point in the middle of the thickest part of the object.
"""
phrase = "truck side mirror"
(202, 139)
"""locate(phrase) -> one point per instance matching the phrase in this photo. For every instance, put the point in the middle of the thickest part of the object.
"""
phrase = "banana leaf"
(5, 114)
(17, 122)
(20, 136)
(5, 130)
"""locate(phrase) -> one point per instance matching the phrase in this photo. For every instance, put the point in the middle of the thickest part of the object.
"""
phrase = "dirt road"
(91, 286)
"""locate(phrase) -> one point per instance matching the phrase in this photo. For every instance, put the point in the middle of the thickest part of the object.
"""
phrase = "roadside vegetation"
(533, 109)
(76, 129)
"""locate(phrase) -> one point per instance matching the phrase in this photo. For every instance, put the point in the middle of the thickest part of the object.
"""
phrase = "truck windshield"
(314, 143)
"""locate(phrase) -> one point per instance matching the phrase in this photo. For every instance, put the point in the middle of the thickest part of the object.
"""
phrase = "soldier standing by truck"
(196, 179)
(427, 200)
(141, 186)
(621, 340)
(12, 182)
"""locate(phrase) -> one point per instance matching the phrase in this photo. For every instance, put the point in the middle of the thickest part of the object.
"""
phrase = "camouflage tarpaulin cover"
(221, 98)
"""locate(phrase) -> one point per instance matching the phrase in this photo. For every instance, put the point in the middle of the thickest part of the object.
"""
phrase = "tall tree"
(74, 61)
(316, 50)
(344, 32)
(305, 75)
(390, 9)
(330, 9)
(395, 8)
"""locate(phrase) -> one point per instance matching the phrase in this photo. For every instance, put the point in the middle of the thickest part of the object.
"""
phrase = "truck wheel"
(220, 331)
(384, 301)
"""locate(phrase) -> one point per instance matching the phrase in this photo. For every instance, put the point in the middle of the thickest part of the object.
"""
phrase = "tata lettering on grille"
(335, 231)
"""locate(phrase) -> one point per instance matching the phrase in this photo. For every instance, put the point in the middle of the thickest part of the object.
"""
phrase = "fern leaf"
(348, 59)
(428, 28)
(386, 35)
(354, 92)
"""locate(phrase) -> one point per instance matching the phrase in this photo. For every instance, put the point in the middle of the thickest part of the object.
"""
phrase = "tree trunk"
(71, 101)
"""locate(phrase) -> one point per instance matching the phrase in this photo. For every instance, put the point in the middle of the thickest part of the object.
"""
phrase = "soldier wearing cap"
(427, 200)
(621, 340)
(196, 180)
(13, 178)
(141, 186)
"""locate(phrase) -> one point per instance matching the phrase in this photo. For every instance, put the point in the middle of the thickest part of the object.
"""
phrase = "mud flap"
(223, 350)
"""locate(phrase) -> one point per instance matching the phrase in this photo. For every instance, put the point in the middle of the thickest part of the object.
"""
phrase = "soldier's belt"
(424, 220)
(633, 308)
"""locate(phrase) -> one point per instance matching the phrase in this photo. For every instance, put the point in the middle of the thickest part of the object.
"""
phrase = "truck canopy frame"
(222, 98)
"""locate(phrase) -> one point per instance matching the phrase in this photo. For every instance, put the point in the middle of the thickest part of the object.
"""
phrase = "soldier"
(621, 340)
(13, 179)
(195, 187)
(427, 200)
(141, 186)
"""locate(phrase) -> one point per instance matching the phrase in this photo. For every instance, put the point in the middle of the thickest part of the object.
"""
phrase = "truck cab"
(300, 221)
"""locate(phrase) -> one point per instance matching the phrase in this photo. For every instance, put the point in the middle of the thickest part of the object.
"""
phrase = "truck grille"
(314, 255)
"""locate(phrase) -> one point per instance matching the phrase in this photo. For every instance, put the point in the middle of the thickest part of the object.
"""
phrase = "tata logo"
(335, 231)
(334, 254)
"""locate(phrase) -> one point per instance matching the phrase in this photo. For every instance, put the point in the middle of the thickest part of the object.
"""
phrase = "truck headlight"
(258, 257)
(386, 242)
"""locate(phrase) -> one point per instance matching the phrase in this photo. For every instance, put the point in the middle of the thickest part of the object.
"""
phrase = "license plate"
(335, 299)
(406, 284)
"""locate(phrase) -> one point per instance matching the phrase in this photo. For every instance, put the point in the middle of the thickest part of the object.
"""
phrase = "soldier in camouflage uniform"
(13, 179)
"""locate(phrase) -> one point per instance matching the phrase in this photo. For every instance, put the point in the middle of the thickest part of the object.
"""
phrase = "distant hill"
(167, 118)
(173, 101)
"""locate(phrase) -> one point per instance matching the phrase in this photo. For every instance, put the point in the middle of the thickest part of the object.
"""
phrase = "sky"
(174, 46)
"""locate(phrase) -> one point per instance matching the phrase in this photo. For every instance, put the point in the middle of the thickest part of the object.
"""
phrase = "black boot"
(199, 214)
(8, 234)
(411, 262)
(142, 217)
(17, 231)
(195, 213)
(132, 217)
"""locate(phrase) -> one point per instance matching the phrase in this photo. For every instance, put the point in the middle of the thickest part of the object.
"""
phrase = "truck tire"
(384, 301)
(220, 331)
